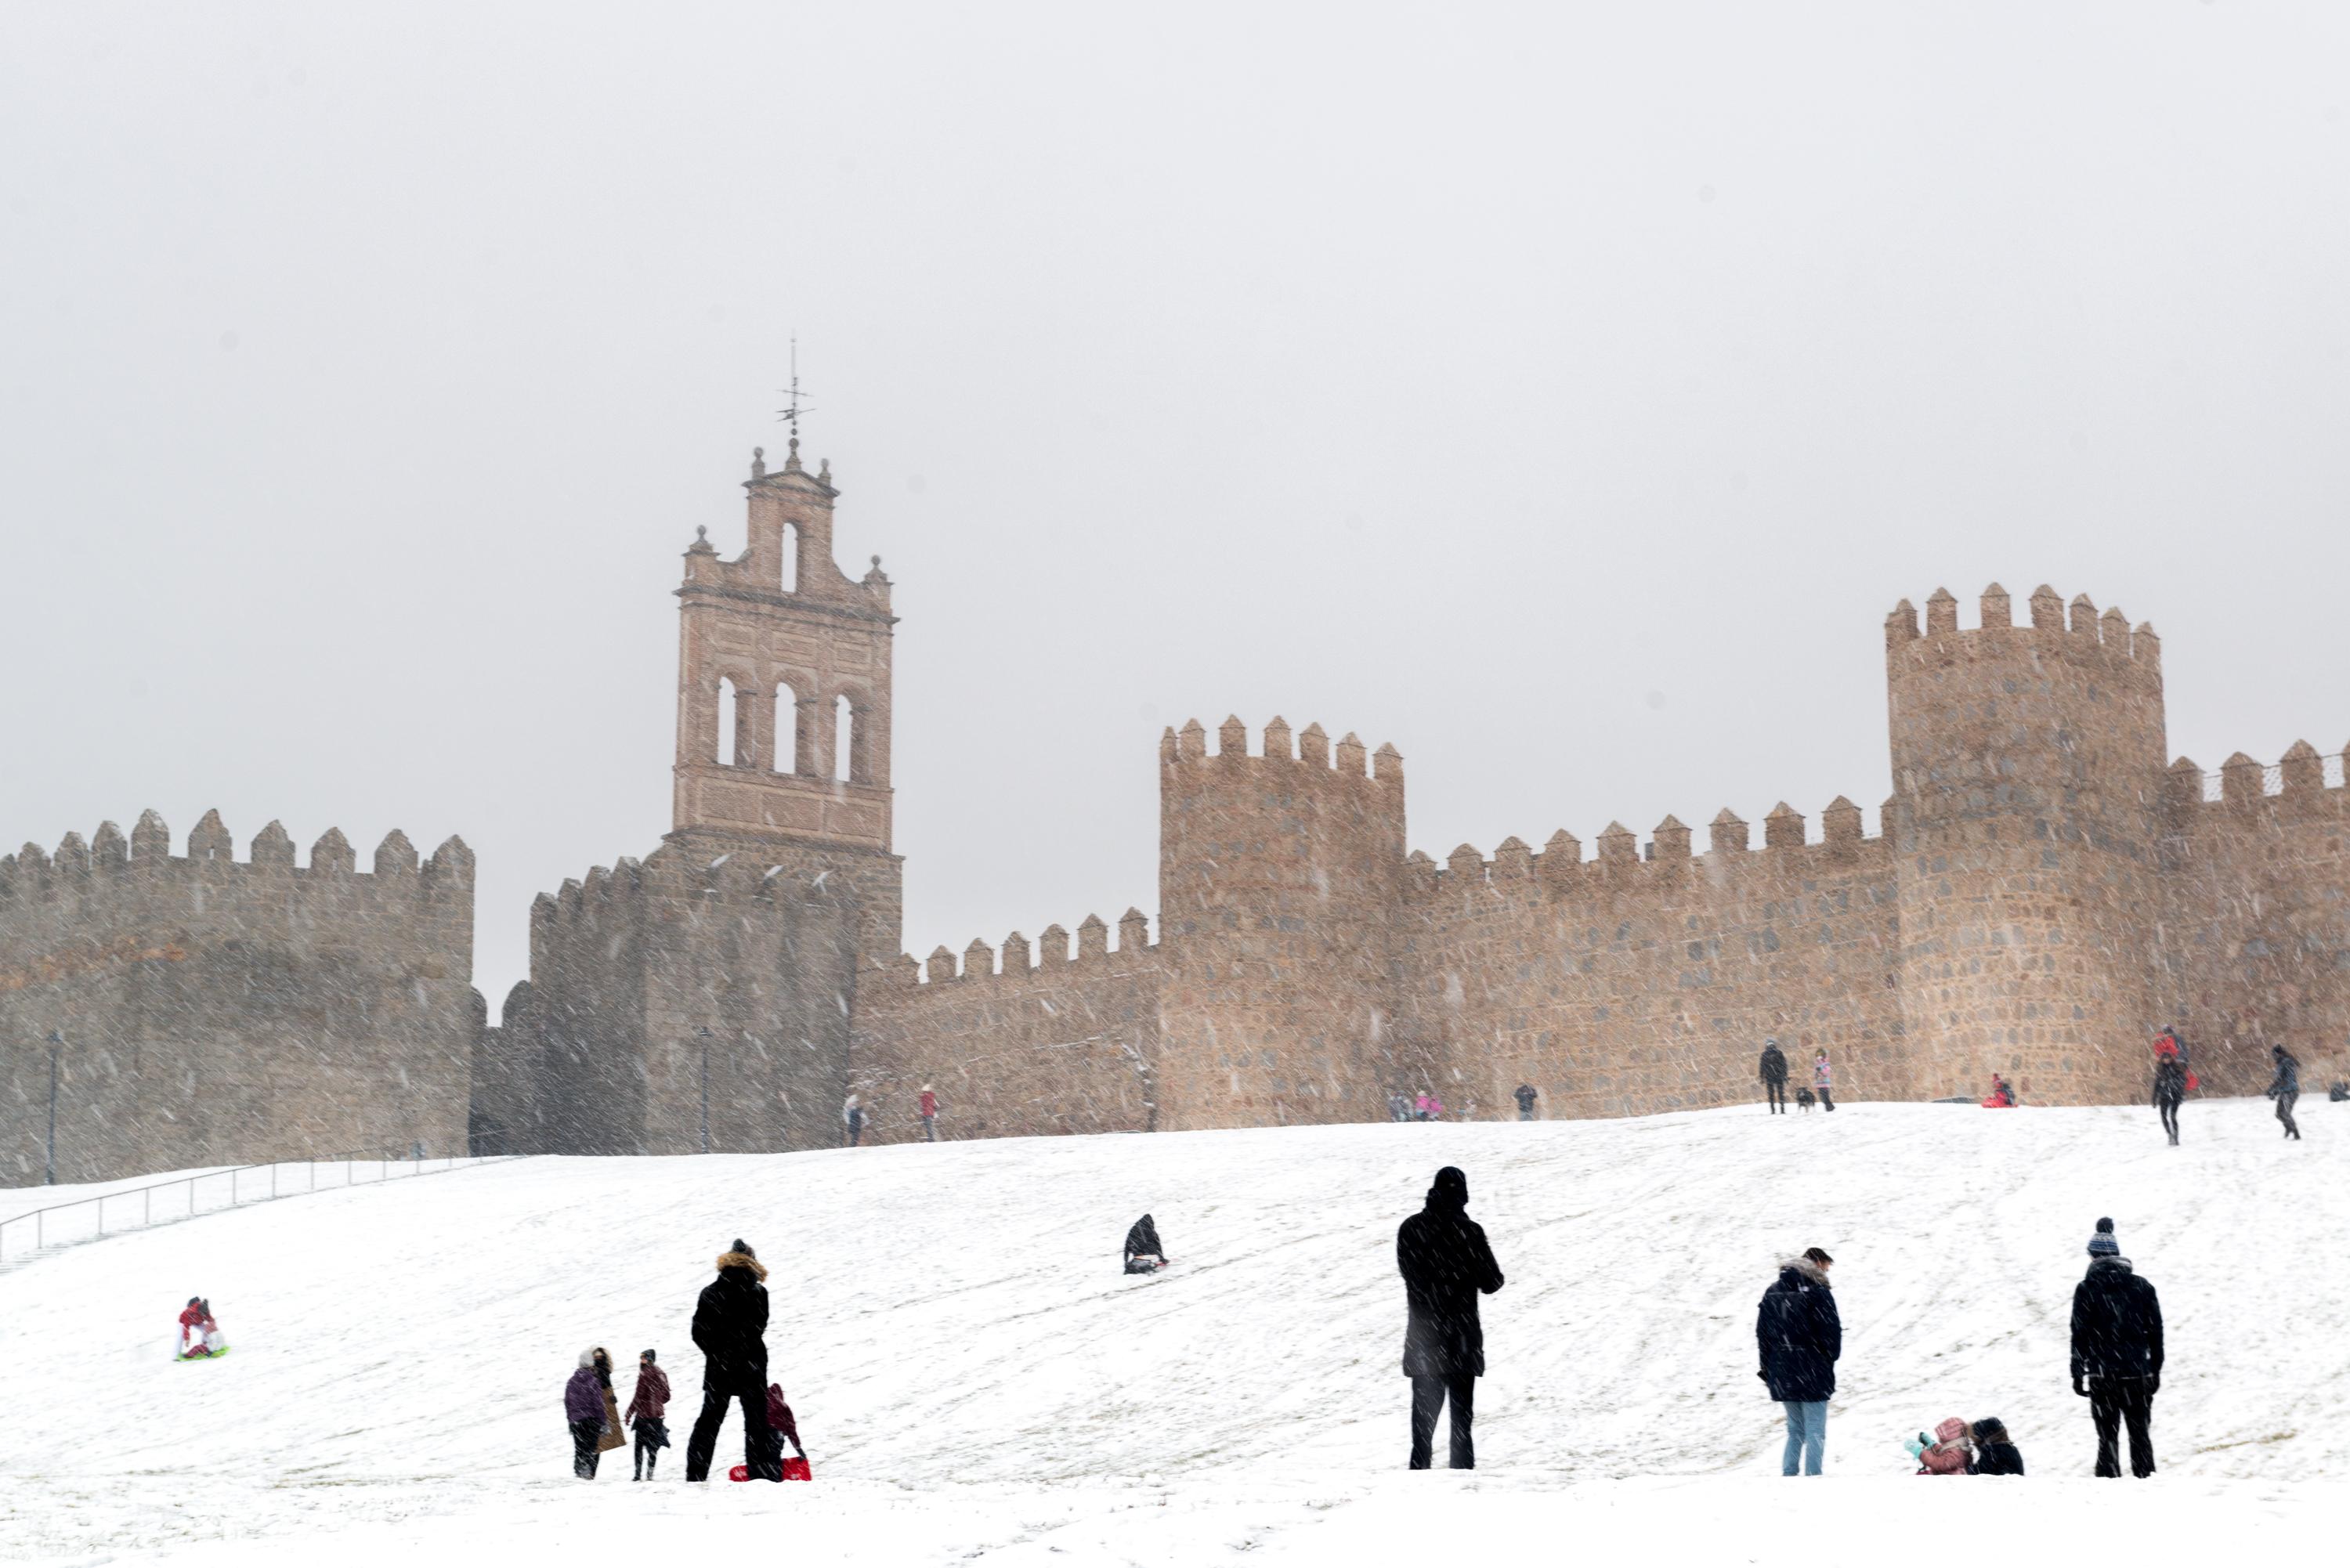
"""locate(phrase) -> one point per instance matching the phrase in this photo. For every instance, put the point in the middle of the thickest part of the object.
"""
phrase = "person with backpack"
(2285, 1088)
(1798, 1337)
(1446, 1263)
(729, 1328)
(2002, 1096)
(644, 1413)
(2117, 1353)
(2169, 1090)
(1822, 1080)
(1525, 1094)
(1773, 1073)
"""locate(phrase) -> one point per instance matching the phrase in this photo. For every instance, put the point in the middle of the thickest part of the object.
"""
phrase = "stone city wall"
(2256, 918)
(219, 1012)
(1634, 984)
(1063, 1045)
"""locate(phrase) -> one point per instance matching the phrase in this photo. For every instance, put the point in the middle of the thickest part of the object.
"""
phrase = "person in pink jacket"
(1822, 1080)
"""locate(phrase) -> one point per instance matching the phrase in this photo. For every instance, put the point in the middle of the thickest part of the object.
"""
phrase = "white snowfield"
(975, 1379)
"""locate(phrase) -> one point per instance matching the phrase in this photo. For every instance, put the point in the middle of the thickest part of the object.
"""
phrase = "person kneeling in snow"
(1144, 1255)
(1994, 1454)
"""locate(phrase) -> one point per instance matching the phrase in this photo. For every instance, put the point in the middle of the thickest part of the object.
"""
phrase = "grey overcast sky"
(1564, 393)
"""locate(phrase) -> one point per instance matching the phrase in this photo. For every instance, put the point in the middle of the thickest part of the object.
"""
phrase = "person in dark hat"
(2117, 1353)
(1996, 1452)
(646, 1412)
(1445, 1262)
(730, 1327)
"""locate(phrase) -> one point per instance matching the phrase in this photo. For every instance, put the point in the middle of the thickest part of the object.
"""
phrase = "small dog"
(1805, 1099)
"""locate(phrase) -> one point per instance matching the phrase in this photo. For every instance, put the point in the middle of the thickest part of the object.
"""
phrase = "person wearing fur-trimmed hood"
(1798, 1337)
(729, 1328)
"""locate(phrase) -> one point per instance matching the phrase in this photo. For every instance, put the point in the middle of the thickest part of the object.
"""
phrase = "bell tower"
(783, 703)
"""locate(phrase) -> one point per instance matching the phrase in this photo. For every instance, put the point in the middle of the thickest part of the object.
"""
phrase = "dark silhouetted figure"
(2285, 1088)
(1773, 1073)
(1995, 1453)
(1445, 1263)
(730, 1326)
(1144, 1255)
(2117, 1353)
(2169, 1091)
(1525, 1096)
(1798, 1337)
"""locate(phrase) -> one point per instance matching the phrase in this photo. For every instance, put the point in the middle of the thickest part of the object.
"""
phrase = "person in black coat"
(1144, 1255)
(1798, 1337)
(2285, 1088)
(2169, 1090)
(1445, 1262)
(2117, 1353)
(1773, 1072)
(730, 1326)
(1995, 1453)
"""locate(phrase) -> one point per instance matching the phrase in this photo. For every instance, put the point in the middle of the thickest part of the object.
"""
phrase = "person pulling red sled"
(200, 1336)
(780, 1421)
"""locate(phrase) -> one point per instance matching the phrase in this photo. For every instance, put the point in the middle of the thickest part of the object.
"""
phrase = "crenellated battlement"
(1560, 871)
(1052, 954)
(2077, 632)
(2304, 779)
(111, 882)
(1302, 755)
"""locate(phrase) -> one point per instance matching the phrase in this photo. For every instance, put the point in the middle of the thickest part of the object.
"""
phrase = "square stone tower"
(783, 649)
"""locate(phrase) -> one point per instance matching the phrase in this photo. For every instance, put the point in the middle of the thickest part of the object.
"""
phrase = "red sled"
(795, 1469)
(2193, 1082)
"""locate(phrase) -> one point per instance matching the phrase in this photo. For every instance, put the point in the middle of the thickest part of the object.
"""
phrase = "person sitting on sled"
(1144, 1255)
(1948, 1452)
(199, 1334)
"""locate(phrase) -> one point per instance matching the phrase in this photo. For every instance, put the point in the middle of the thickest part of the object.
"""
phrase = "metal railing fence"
(80, 1220)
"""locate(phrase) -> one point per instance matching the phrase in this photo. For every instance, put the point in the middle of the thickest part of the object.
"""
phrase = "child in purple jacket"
(583, 1406)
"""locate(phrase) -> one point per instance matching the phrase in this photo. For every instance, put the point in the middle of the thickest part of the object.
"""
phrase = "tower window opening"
(789, 547)
(728, 739)
(844, 737)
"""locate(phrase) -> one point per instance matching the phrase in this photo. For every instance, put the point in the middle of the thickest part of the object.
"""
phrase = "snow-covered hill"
(973, 1373)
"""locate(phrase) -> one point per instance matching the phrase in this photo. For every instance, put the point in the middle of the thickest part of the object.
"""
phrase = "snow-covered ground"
(974, 1378)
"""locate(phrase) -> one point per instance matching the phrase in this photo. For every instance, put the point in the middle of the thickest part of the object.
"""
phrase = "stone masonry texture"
(2045, 893)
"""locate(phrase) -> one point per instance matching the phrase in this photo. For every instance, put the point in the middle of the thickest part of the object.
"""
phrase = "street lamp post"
(704, 1033)
(56, 1044)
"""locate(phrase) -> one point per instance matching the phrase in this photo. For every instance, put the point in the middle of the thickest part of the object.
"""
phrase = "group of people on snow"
(1447, 1263)
(2172, 1083)
(853, 1115)
(730, 1329)
(1773, 1071)
(1423, 1106)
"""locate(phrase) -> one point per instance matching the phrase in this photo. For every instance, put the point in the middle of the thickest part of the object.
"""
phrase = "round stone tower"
(2027, 776)
(1279, 875)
